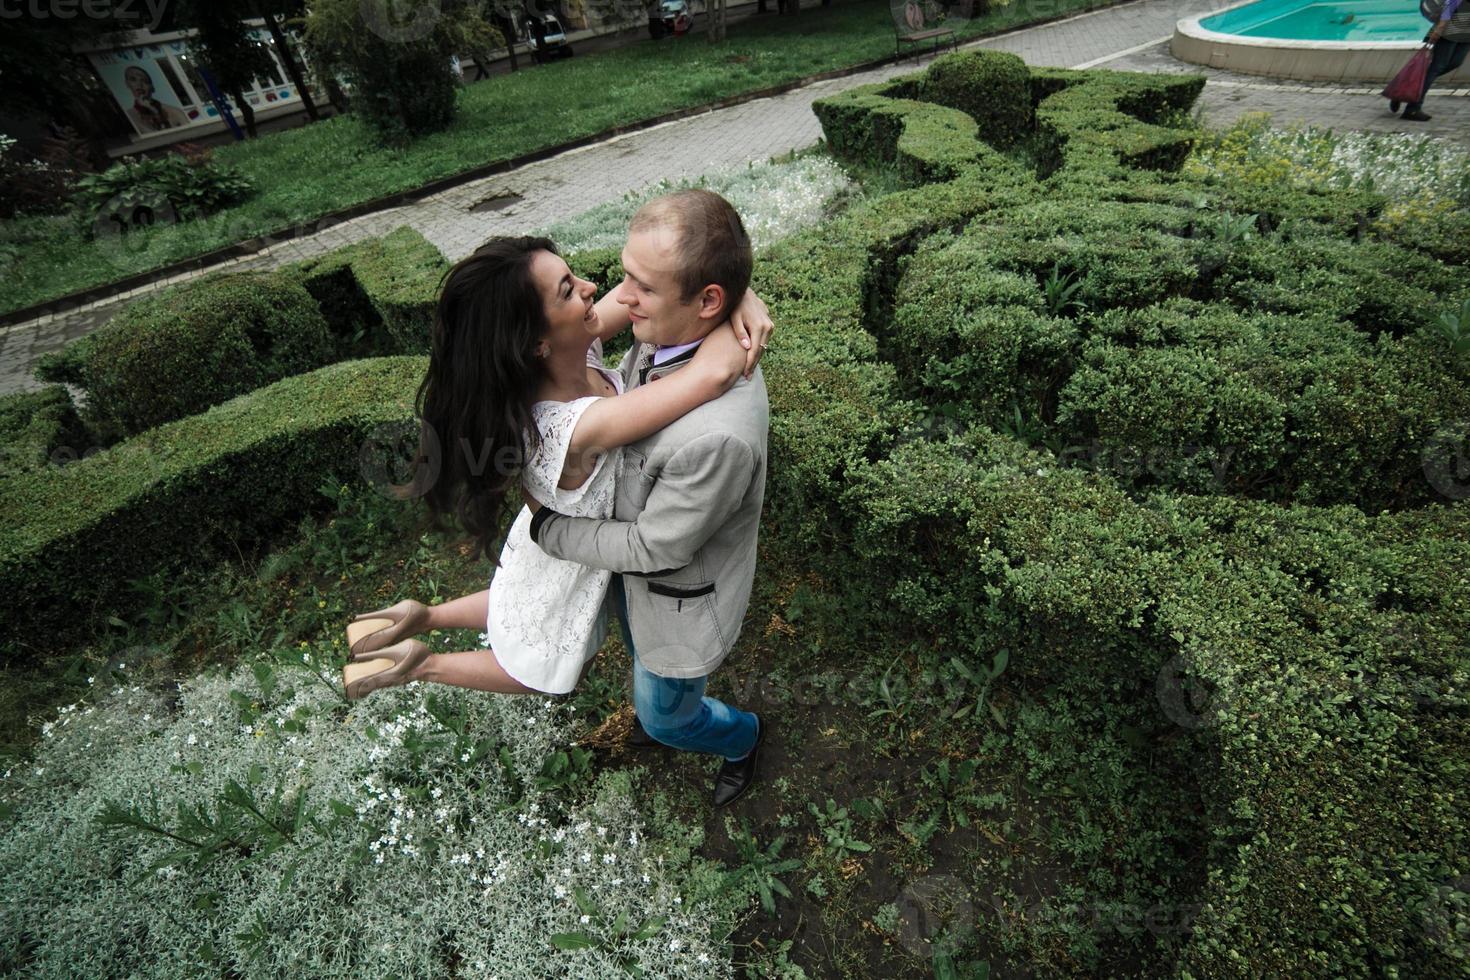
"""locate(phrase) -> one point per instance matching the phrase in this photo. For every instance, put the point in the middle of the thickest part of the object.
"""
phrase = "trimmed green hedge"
(207, 340)
(190, 490)
(1250, 366)
(991, 87)
(197, 344)
(378, 295)
(1333, 751)
(36, 426)
(1334, 645)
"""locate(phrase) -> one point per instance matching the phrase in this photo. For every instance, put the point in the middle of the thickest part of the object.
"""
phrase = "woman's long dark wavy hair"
(474, 404)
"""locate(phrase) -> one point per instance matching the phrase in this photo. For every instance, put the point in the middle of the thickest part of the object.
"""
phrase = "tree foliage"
(395, 56)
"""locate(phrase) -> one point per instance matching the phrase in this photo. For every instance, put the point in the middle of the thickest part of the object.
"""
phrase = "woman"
(1450, 36)
(515, 371)
(147, 112)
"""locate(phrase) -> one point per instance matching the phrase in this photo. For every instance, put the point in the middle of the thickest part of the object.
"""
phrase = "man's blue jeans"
(1447, 56)
(675, 711)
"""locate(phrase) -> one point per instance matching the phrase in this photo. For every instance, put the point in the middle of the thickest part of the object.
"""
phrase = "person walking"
(1450, 36)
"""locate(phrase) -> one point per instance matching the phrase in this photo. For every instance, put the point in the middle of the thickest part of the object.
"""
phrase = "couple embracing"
(643, 486)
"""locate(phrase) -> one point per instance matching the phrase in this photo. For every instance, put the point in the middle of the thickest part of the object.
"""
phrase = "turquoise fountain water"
(1332, 20)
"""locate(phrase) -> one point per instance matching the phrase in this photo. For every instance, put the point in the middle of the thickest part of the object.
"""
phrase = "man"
(683, 531)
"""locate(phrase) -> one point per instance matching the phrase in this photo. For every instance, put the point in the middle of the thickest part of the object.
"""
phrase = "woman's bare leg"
(477, 670)
(467, 612)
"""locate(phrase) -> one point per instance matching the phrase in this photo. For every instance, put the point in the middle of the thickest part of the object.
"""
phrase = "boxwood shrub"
(184, 492)
(991, 87)
(37, 428)
(197, 344)
(378, 295)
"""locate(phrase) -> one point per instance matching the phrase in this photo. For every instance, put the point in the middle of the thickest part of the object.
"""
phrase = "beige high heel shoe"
(388, 667)
(385, 627)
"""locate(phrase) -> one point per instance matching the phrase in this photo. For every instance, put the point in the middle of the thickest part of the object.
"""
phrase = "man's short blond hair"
(710, 244)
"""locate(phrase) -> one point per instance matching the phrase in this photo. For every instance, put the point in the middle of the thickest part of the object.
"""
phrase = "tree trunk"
(238, 94)
(716, 21)
(790, 6)
(760, 6)
(289, 60)
(508, 28)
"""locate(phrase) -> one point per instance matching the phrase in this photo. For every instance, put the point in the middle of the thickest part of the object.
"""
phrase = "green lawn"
(304, 173)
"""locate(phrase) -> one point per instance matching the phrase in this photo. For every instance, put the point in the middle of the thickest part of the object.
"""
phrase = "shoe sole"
(354, 672)
(363, 628)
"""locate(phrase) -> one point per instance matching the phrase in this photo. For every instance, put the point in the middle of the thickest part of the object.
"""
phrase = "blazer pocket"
(679, 598)
(634, 484)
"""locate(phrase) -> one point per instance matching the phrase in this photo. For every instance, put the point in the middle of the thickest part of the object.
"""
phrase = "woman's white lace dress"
(546, 618)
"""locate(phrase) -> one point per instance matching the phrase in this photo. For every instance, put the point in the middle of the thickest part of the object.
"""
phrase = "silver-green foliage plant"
(774, 200)
(173, 840)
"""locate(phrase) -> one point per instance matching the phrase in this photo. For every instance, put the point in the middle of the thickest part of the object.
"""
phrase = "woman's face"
(139, 84)
(567, 301)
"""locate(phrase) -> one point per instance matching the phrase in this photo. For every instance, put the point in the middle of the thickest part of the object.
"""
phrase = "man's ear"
(711, 301)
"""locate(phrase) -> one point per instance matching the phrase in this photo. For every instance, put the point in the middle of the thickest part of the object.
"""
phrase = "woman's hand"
(752, 324)
(720, 358)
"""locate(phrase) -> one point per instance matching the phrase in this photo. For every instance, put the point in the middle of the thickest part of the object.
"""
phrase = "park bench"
(916, 22)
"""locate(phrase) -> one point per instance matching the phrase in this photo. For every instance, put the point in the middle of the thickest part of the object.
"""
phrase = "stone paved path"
(1129, 37)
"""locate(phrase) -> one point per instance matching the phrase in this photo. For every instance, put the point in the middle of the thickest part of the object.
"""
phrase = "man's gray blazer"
(684, 524)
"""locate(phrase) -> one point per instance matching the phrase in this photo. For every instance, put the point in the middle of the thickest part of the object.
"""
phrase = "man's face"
(651, 292)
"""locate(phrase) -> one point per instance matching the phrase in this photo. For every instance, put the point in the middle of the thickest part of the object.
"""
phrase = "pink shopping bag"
(1408, 84)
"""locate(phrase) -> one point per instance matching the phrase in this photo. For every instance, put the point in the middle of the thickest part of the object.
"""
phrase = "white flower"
(585, 919)
(609, 859)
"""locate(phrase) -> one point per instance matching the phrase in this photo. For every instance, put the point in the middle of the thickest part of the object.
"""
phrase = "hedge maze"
(1177, 441)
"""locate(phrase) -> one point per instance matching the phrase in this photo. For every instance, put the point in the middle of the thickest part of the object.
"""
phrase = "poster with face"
(159, 84)
(149, 88)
